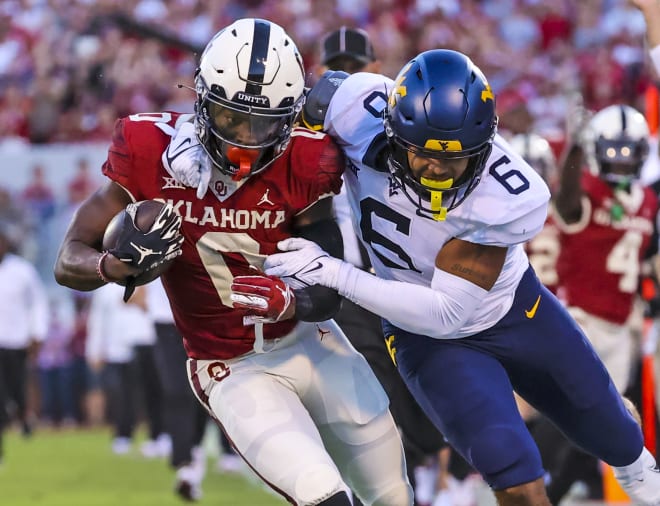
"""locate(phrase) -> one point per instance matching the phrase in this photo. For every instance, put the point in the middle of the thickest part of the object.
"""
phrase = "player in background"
(543, 249)
(350, 50)
(184, 417)
(444, 207)
(24, 320)
(606, 220)
(651, 11)
(299, 404)
(605, 217)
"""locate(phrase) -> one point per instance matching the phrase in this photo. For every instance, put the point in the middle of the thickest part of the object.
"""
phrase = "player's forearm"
(568, 198)
(651, 11)
(431, 311)
(76, 267)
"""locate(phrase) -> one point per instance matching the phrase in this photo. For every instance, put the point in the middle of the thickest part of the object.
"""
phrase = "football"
(147, 211)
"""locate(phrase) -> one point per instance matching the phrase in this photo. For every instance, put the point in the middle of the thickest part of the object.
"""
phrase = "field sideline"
(77, 468)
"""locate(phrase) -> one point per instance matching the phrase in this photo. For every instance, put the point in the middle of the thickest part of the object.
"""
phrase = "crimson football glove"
(266, 298)
(146, 250)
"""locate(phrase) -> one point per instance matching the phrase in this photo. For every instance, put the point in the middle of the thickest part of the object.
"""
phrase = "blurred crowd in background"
(69, 68)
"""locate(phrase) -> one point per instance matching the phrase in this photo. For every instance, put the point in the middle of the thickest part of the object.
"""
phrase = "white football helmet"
(249, 88)
(617, 143)
(536, 151)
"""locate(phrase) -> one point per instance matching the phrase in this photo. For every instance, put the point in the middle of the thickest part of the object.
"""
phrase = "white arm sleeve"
(438, 312)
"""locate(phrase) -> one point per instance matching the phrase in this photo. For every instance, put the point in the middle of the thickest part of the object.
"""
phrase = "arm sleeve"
(414, 308)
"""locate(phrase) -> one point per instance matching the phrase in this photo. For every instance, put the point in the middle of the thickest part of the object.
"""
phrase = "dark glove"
(145, 250)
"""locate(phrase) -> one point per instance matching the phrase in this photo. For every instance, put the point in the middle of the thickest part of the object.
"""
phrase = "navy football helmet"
(441, 106)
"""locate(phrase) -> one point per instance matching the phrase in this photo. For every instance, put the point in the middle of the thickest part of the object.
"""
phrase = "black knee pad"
(338, 499)
(506, 457)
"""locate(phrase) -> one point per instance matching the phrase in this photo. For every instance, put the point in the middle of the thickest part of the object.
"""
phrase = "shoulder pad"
(318, 98)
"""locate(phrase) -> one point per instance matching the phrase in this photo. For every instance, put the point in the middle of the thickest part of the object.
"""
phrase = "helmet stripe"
(623, 119)
(260, 39)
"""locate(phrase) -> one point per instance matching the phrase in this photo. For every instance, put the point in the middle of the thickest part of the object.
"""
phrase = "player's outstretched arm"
(464, 273)
(79, 254)
(651, 11)
(568, 199)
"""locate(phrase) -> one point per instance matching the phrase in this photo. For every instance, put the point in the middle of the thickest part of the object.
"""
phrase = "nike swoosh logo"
(178, 151)
(316, 267)
(185, 141)
(532, 312)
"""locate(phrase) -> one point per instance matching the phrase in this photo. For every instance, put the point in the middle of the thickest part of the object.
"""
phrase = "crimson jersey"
(543, 250)
(600, 255)
(235, 226)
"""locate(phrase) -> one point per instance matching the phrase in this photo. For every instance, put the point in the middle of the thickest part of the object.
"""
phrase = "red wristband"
(99, 268)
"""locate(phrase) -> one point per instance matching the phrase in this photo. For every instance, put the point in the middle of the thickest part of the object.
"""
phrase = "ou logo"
(217, 371)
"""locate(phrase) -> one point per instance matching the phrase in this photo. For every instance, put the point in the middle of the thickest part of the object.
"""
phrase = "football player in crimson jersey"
(298, 403)
(444, 207)
(606, 219)
(543, 249)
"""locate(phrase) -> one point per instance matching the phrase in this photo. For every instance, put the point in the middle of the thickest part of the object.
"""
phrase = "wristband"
(99, 268)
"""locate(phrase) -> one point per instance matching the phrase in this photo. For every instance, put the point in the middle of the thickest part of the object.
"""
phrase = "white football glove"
(187, 161)
(303, 264)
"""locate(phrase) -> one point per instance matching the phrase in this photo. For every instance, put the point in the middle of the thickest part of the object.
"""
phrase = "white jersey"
(507, 208)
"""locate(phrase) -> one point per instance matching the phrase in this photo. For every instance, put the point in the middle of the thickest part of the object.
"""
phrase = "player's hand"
(267, 298)
(303, 263)
(645, 4)
(577, 121)
(145, 250)
(187, 161)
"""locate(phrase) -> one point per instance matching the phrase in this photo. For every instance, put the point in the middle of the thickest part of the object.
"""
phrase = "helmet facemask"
(440, 107)
(242, 140)
(620, 161)
(434, 199)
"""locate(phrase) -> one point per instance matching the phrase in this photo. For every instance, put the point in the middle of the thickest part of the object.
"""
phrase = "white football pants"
(309, 417)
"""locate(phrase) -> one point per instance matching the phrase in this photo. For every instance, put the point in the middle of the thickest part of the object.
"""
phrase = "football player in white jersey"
(444, 206)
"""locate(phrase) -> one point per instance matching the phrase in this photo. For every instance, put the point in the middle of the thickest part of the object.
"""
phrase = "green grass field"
(77, 468)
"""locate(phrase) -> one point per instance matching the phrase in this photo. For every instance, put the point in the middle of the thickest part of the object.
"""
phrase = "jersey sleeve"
(509, 205)
(519, 230)
(354, 115)
(118, 165)
(317, 164)
(135, 151)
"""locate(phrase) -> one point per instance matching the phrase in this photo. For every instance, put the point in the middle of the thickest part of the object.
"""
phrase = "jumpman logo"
(144, 252)
(265, 199)
(322, 332)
